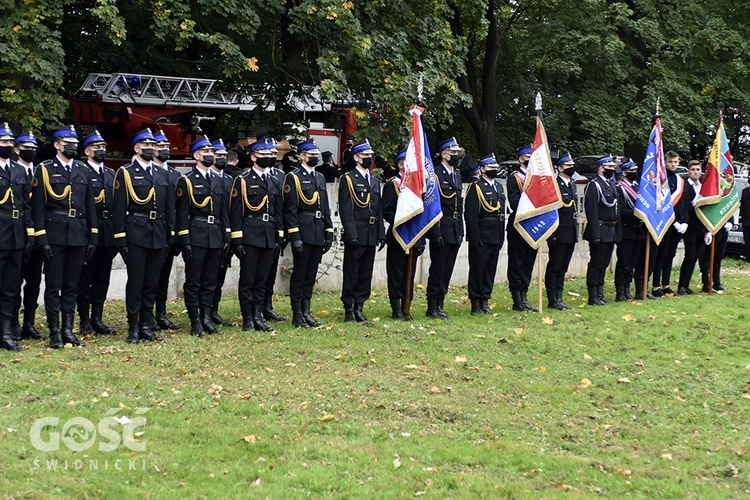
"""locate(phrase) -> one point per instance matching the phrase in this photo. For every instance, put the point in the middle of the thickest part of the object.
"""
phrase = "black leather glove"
(354, 243)
(90, 251)
(239, 250)
(297, 248)
(225, 249)
(175, 250)
(381, 245)
(124, 255)
(439, 241)
(279, 243)
(327, 246)
(187, 253)
(595, 242)
(47, 253)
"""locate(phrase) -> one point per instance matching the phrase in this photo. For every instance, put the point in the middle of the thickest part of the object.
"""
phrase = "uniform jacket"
(602, 211)
(202, 212)
(307, 214)
(451, 226)
(485, 212)
(255, 210)
(63, 205)
(677, 183)
(693, 222)
(360, 208)
(144, 207)
(104, 192)
(632, 226)
(567, 229)
(16, 221)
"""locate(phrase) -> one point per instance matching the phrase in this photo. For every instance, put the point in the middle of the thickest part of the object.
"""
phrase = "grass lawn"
(646, 399)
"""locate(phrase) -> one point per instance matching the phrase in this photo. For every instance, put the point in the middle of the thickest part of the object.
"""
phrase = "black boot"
(475, 307)
(432, 311)
(526, 303)
(349, 313)
(298, 319)
(600, 292)
(15, 329)
(484, 305)
(620, 297)
(268, 311)
(146, 326)
(259, 321)
(96, 320)
(208, 324)
(218, 320)
(247, 317)
(196, 327)
(6, 342)
(396, 312)
(29, 331)
(161, 317)
(552, 300)
(562, 304)
(626, 292)
(306, 314)
(358, 314)
(67, 330)
(84, 321)
(132, 329)
(441, 312)
(518, 302)
(594, 296)
(408, 316)
(55, 336)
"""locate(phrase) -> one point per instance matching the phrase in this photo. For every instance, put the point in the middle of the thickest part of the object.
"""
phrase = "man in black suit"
(695, 235)
(562, 243)
(445, 236)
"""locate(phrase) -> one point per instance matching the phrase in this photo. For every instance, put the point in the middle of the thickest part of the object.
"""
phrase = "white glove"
(707, 238)
(680, 227)
(728, 226)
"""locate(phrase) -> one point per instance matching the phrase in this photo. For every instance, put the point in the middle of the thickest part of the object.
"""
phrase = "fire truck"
(120, 104)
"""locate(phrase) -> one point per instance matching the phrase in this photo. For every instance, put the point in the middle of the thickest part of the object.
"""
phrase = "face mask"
(147, 154)
(366, 163)
(163, 155)
(70, 151)
(453, 161)
(631, 176)
(99, 155)
(27, 155)
(208, 160)
(569, 171)
(491, 173)
(608, 173)
(5, 152)
(265, 162)
(313, 161)
(221, 163)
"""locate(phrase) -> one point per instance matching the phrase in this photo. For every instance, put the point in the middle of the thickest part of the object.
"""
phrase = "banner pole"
(539, 276)
(409, 284)
(645, 267)
(711, 268)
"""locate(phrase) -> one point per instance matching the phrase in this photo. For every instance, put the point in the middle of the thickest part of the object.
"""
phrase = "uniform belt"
(369, 220)
(208, 219)
(608, 222)
(104, 214)
(13, 214)
(313, 213)
(150, 215)
(71, 213)
(488, 216)
(264, 217)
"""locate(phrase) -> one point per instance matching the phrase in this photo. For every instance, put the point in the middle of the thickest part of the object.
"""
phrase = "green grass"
(644, 399)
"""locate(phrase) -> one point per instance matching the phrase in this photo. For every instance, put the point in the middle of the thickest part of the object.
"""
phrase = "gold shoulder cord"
(485, 205)
(248, 205)
(441, 191)
(307, 201)
(9, 194)
(209, 198)
(131, 190)
(49, 192)
(568, 205)
(353, 195)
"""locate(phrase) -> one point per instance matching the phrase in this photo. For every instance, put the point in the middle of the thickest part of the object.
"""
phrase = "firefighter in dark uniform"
(396, 260)
(308, 226)
(602, 227)
(160, 161)
(218, 171)
(562, 243)
(31, 266)
(202, 229)
(16, 234)
(144, 221)
(362, 219)
(257, 229)
(269, 314)
(65, 226)
(485, 231)
(445, 236)
(631, 244)
(94, 282)
(521, 255)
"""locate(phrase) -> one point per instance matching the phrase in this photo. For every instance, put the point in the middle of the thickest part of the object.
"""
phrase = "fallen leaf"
(257, 482)
(586, 356)
(396, 463)
(518, 330)
(628, 317)
(435, 390)
(624, 380)
(542, 369)
(746, 396)
(250, 438)
(460, 359)
(666, 456)
(585, 382)
(326, 418)
(548, 320)
(624, 472)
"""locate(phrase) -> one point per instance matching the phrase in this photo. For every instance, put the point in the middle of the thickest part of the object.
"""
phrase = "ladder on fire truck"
(153, 90)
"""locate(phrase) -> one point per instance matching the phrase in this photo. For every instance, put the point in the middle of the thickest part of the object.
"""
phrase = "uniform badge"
(234, 193)
(34, 181)
(287, 188)
(116, 185)
(179, 191)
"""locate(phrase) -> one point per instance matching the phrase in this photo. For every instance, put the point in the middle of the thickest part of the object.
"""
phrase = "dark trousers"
(162, 289)
(271, 281)
(720, 244)
(10, 282)
(442, 262)
(200, 277)
(599, 257)
(482, 270)
(221, 276)
(144, 265)
(94, 282)
(254, 270)
(640, 266)
(521, 259)
(61, 278)
(694, 247)
(304, 273)
(396, 263)
(31, 275)
(664, 257)
(557, 265)
(628, 255)
(357, 273)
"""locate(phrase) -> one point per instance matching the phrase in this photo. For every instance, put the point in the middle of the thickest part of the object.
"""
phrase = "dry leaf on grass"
(624, 380)
(460, 359)
(250, 438)
(628, 317)
(326, 418)
(548, 320)
(585, 383)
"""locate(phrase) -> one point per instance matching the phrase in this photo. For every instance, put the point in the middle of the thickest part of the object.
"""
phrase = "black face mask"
(454, 161)
(208, 160)
(569, 171)
(265, 162)
(366, 163)
(221, 163)
(313, 161)
(609, 173)
(631, 176)
(27, 155)
(162, 155)
(5, 152)
(491, 173)
(147, 154)
(70, 151)
(99, 155)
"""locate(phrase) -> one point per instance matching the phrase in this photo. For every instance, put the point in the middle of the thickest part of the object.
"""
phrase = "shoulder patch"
(234, 193)
(179, 191)
(116, 185)
(34, 181)
(287, 188)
